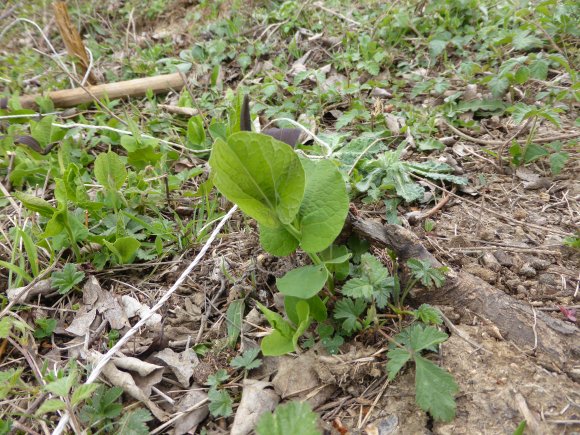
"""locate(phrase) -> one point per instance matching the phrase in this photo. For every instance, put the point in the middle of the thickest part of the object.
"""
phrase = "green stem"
(406, 291)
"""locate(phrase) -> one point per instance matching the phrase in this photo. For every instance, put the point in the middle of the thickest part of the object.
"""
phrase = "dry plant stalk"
(72, 39)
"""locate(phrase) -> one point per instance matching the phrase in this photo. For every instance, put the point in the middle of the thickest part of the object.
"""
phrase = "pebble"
(528, 271)
(503, 258)
(548, 279)
(490, 262)
(539, 264)
(481, 272)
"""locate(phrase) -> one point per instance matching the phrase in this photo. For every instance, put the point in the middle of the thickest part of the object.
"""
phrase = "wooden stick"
(128, 88)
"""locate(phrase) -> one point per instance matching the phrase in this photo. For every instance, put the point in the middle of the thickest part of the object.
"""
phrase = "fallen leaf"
(257, 399)
(181, 364)
(188, 422)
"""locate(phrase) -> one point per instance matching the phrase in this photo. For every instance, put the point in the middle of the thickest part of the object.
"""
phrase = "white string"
(89, 67)
(107, 357)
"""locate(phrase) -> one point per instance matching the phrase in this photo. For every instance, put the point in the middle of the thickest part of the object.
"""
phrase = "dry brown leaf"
(257, 398)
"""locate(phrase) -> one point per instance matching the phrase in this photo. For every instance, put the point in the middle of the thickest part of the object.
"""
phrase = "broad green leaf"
(303, 282)
(436, 47)
(44, 132)
(110, 171)
(33, 203)
(277, 321)
(277, 241)
(304, 320)
(425, 338)
(324, 207)
(336, 260)
(234, 316)
(317, 308)
(50, 405)
(45, 327)
(435, 389)
(292, 418)
(430, 144)
(261, 175)
(397, 359)
(276, 344)
(124, 248)
(195, 132)
(31, 251)
(522, 75)
(83, 392)
(539, 69)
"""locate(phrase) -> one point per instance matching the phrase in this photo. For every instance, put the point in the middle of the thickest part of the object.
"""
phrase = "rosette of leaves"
(389, 172)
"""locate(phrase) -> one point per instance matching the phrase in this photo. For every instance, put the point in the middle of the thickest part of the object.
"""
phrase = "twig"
(437, 207)
(462, 334)
(123, 340)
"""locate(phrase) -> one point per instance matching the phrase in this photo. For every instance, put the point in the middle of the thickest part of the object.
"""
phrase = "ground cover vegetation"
(412, 114)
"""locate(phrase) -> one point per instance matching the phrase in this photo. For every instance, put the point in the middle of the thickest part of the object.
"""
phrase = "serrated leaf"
(428, 315)
(435, 389)
(220, 403)
(134, 423)
(67, 278)
(533, 152)
(110, 171)
(397, 358)
(498, 85)
(558, 161)
(373, 269)
(522, 75)
(539, 69)
(428, 275)
(425, 338)
(303, 282)
(248, 360)
(523, 40)
(50, 405)
(289, 419)
(357, 288)
(348, 311)
(83, 392)
(263, 176)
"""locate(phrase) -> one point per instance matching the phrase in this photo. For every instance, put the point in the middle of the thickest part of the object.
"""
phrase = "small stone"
(539, 264)
(520, 214)
(528, 271)
(487, 235)
(521, 290)
(512, 284)
(503, 258)
(490, 262)
(548, 280)
(481, 272)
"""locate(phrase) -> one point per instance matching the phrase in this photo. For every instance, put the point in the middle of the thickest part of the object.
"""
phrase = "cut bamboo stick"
(127, 88)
